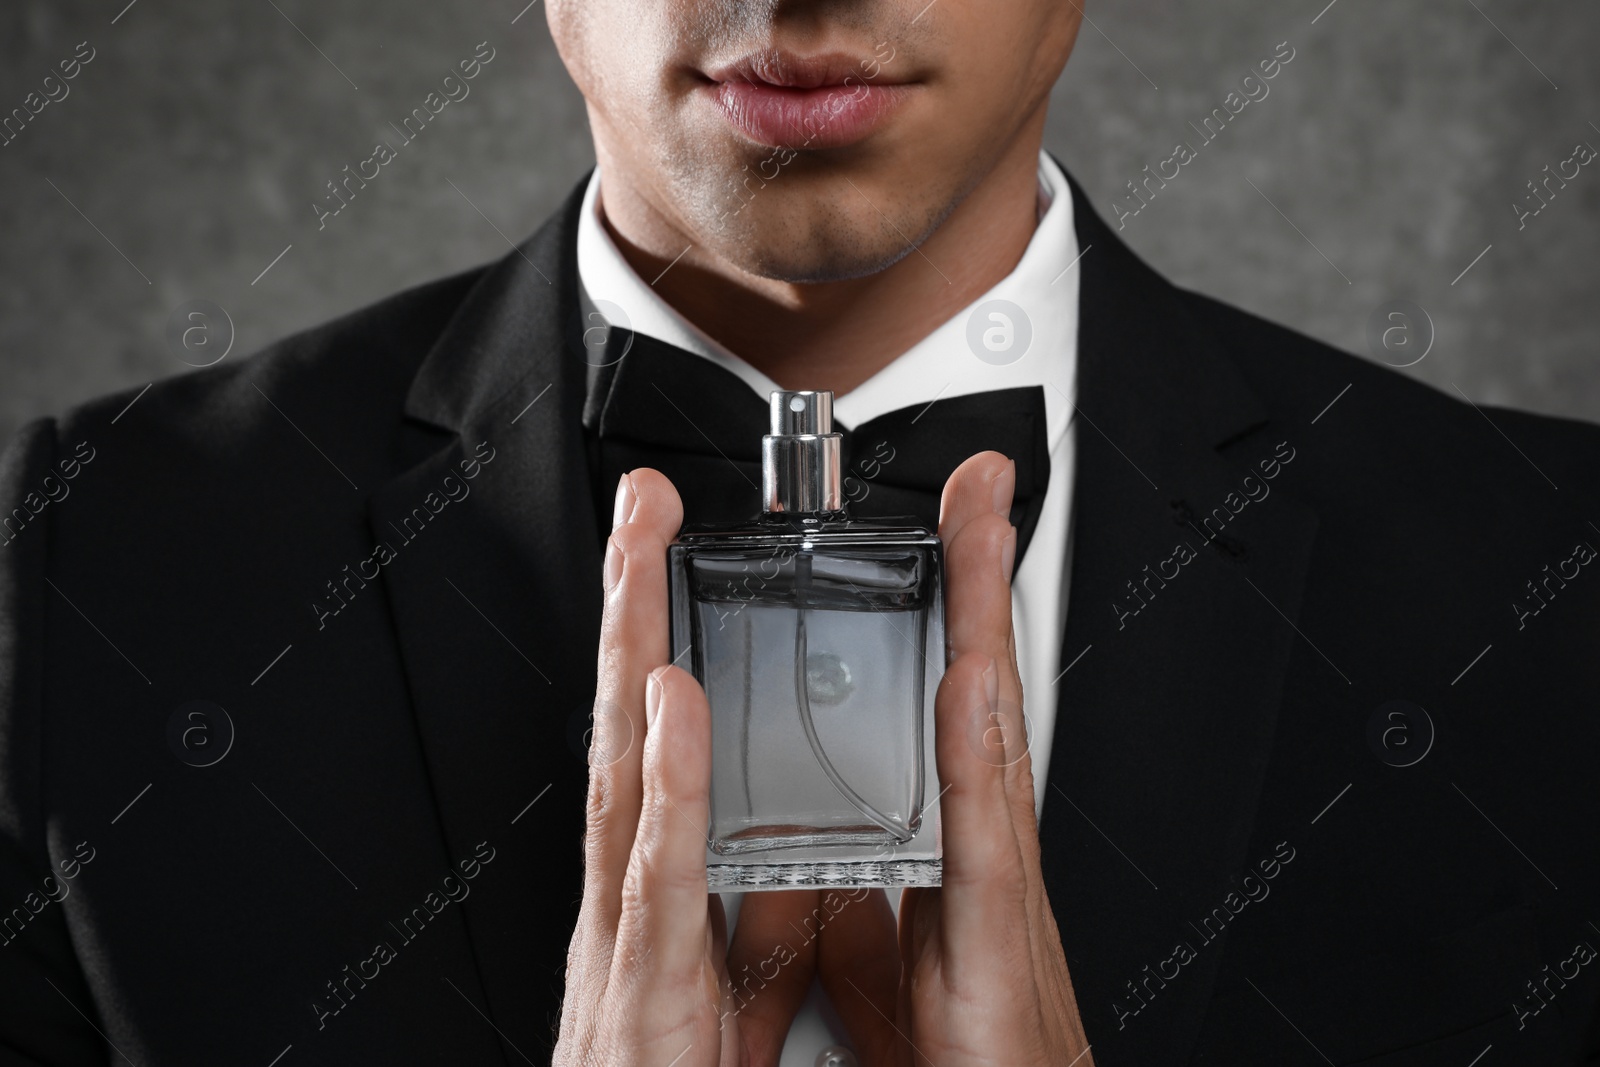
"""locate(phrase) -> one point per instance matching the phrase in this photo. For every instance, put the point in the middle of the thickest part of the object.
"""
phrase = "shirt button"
(837, 1056)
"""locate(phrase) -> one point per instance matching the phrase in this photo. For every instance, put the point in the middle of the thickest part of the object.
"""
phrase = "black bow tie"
(700, 425)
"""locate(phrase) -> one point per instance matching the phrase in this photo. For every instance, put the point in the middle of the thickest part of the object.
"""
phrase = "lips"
(778, 99)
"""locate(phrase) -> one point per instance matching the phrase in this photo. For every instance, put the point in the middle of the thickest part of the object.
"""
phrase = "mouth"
(781, 100)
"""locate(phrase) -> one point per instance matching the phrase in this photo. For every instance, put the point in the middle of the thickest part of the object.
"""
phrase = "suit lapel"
(495, 593)
(1177, 643)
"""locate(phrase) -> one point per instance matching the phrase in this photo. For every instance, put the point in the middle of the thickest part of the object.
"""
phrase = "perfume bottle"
(819, 640)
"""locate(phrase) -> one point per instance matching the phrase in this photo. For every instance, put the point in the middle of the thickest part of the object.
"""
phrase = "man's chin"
(825, 247)
(814, 266)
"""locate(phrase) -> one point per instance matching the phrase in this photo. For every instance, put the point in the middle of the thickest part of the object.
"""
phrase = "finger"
(979, 560)
(919, 955)
(980, 547)
(770, 966)
(919, 921)
(728, 1008)
(633, 641)
(858, 962)
(728, 1029)
(983, 484)
(717, 936)
(662, 932)
(984, 891)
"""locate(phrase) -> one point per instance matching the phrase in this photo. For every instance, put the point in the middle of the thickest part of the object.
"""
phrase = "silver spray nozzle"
(800, 457)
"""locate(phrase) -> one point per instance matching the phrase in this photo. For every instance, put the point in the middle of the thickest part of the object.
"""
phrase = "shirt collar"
(979, 348)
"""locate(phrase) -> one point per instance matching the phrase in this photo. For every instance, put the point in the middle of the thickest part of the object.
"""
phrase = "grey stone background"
(190, 150)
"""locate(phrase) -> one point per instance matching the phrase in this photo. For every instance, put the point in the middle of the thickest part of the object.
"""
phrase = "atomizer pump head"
(800, 458)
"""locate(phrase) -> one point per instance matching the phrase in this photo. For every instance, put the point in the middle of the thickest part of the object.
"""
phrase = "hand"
(982, 978)
(648, 966)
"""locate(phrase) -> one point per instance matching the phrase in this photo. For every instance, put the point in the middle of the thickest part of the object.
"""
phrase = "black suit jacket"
(383, 865)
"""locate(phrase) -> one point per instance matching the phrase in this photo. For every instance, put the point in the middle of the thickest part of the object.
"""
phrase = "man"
(294, 656)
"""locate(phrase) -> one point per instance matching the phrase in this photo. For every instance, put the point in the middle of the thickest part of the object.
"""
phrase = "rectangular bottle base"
(884, 873)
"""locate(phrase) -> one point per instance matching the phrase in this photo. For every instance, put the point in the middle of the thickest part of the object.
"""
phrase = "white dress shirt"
(1044, 286)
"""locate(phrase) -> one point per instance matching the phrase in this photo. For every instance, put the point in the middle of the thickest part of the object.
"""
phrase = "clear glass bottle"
(819, 640)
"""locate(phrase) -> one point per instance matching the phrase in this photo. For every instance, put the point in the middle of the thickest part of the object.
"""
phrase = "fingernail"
(991, 684)
(622, 510)
(1002, 485)
(652, 697)
(1008, 554)
(614, 561)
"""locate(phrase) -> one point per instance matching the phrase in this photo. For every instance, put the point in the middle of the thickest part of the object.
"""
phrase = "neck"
(836, 335)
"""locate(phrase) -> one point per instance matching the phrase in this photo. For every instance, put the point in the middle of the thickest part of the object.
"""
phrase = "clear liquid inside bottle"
(814, 651)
